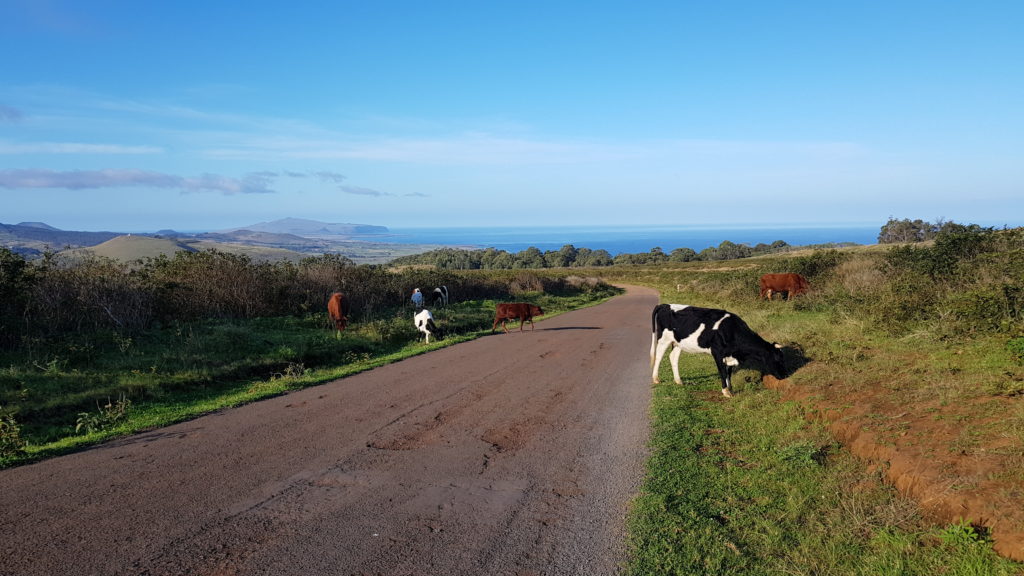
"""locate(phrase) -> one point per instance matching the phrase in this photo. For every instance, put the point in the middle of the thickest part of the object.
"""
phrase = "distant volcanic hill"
(286, 239)
(263, 238)
(33, 238)
(303, 227)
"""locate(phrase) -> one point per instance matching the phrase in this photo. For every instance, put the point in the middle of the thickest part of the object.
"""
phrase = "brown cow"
(788, 285)
(337, 309)
(506, 311)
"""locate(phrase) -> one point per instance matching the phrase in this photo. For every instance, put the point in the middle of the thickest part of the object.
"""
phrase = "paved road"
(511, 454)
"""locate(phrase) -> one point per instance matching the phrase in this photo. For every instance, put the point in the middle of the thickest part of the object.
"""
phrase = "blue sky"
(136, 116)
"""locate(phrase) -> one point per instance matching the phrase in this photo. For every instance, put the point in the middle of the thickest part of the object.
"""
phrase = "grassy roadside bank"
(761, 484)
(80, 392)
(750, 486)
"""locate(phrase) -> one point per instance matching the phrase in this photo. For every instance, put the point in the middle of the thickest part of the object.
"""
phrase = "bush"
(15, 285)
(11, 443)
(818, 264)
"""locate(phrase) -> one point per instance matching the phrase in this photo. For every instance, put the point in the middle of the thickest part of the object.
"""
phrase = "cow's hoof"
(726, 393)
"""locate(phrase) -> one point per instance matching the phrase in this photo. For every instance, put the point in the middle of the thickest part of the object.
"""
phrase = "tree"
(530, 258)
(731, 251)
(905, 231)
(682, 255)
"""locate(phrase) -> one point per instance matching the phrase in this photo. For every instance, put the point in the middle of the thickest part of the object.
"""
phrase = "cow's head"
(535, 310)
(775, 364)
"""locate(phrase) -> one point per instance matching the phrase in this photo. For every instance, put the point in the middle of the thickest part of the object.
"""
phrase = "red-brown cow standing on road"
(338, 309)
(511, 310)
(788, 284)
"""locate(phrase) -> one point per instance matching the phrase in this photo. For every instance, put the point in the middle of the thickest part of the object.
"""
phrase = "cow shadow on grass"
(794, 358)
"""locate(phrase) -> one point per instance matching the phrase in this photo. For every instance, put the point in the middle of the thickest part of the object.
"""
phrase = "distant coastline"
(625, 239)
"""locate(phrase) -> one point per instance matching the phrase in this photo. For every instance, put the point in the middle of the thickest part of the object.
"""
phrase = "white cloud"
(255, 183)
(359, 191)
(74, 148)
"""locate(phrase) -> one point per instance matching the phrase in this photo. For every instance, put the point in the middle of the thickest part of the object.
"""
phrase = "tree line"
(569, 256)
(907, 231)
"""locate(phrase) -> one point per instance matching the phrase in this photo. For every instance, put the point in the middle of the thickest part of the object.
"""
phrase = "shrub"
(818, 264)
(15, 283)
(525, 282)
(11, 443)
(1016, 347)
(105, 417)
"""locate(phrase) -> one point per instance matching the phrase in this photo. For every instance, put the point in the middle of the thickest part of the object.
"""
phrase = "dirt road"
(512, 454)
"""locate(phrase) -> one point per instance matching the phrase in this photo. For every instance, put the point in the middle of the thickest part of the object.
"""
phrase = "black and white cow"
(424, 322)
(440, 296)
(722, 334)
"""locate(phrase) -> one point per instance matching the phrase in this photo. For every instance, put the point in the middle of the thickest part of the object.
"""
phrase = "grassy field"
(71, 394)
(761, 484)
(752, 486)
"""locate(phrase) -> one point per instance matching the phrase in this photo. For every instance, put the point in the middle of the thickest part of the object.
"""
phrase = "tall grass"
(217, 332)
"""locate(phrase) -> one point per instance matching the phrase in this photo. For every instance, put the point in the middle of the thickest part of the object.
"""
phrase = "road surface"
(512, 454)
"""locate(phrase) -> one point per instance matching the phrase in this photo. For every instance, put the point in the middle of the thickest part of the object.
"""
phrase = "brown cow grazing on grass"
(788, 285)
(338, 309)
(506, 311)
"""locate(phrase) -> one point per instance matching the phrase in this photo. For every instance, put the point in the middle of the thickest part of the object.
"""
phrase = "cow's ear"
(777, 345)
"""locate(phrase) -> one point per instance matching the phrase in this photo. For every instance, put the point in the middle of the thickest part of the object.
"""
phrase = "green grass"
(181, 371)
(753, 485)
(749, 486)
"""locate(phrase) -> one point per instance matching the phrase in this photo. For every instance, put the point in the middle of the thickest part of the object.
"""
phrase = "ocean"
(627, 239)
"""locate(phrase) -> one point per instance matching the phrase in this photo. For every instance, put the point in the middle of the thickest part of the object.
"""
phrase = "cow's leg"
(504, 325)
(674, 360)
(658, 351)
(726, 365)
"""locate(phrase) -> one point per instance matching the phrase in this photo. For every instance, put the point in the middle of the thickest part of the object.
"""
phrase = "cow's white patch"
(689, 344)
(730, 361)
(667, 340)
(678, 307)
(720, 320)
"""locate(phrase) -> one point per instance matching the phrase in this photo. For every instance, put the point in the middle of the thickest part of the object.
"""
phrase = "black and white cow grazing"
(707, 331)
(424, 322)
(440, 296)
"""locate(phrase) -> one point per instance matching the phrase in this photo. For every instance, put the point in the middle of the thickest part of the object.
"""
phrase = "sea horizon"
(630, 239)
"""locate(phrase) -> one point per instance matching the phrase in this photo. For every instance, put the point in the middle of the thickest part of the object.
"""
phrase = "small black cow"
(440, 296)
(722, 334)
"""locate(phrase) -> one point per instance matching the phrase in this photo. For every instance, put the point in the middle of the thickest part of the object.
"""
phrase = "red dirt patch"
(932, 451)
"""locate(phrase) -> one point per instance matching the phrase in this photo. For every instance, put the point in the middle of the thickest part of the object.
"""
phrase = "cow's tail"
(655, 331)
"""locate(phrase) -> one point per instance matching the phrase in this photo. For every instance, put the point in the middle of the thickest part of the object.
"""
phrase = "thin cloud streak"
(75, 148)
(256, 183)
(8, 114)
(359, 191)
